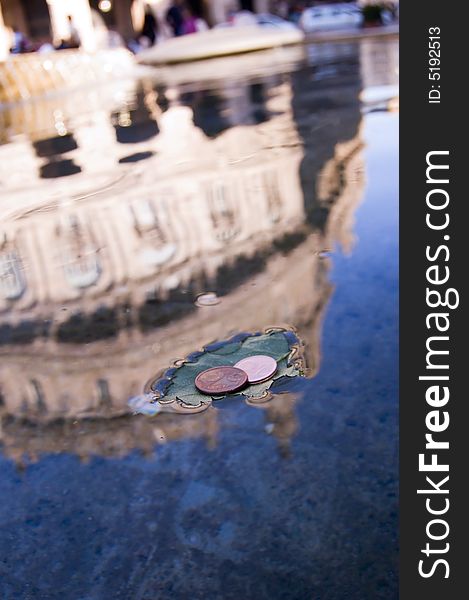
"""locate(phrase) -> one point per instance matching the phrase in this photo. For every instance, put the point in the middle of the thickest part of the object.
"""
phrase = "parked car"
(331, 16)
(245, 18)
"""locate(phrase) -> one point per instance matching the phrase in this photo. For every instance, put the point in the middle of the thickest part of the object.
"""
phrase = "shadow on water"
(139, 197)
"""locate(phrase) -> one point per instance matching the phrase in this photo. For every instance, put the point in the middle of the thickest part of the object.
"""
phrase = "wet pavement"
(276, 191)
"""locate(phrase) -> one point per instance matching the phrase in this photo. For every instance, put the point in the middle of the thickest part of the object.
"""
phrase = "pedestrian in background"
(174, 18)
(150, 26)
(20, 42)
(189, 21)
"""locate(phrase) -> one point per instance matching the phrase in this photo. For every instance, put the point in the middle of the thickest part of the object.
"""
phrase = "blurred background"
(40, 25)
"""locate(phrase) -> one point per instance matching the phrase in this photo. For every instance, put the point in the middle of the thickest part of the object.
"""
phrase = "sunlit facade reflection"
(99, 269)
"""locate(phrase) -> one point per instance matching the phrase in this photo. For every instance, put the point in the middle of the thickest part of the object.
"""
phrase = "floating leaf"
(291, 371)
(257, 390)
(178, 385)
(223, 350)
(192, 399)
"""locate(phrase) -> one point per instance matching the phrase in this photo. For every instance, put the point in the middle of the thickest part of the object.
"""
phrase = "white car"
(245, 17)
(331, 16)
(268, 20)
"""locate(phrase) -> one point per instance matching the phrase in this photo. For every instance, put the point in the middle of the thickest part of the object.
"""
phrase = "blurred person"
(20, 42)
(189, 21)
(143, 42)
(295, 12)
(150, 26)
(174, 18)
(134, 46)
(202, 24)
(281, 8)
(114, 39)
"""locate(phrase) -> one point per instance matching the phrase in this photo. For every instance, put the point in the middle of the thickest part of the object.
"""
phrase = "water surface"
(275, 188)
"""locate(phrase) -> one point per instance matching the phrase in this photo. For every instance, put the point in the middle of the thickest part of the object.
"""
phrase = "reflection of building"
(181, 212)
(97, 287)
(110, 437)
(199, 213)
(332, 113)
(339, 191)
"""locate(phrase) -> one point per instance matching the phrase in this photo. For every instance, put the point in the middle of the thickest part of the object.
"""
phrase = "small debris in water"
(144, 404)
(207, 299)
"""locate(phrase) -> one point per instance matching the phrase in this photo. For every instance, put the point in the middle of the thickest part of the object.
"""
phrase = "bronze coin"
(258, 367)
(221, 380)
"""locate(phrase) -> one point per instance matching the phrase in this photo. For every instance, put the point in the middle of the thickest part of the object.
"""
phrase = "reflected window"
(82, 272)
(136, 157)
(134, 122)
(80, 264)
(145, 218)
(53, 146)
(58, 168)
(83, 328)
(104, 394)
(157, 249)
(274, 201)
(222, 212)
(12, 282)
(210, 111)
(39, 401)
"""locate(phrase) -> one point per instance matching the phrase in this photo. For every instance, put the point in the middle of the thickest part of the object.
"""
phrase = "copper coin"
(258, 367)
(221, 380)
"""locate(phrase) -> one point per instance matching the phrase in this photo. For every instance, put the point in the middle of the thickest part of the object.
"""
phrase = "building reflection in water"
(98, 277)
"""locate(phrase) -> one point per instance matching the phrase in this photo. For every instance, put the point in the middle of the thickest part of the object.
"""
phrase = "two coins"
(225, 380)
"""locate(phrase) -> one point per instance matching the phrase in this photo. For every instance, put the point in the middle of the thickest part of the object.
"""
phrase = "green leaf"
(228, 349)
(258, 389)
(274, 344)
(193, 399)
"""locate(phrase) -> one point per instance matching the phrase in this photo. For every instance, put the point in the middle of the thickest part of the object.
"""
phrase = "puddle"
(146, 220)
(176, 389)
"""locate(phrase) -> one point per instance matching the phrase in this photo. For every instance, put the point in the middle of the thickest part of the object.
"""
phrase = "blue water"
(296, 503)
